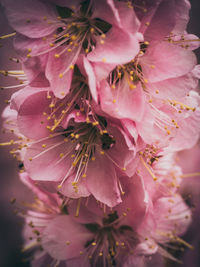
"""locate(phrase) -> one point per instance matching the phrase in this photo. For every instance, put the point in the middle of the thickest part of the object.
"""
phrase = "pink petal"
(68, 190)
(122, 102)
(102, 181)
(58, 232)
(157, 15)
(45, 163)
(170, 61)
(27, 17)
(59, 70)
(31, 121)
(113, 50)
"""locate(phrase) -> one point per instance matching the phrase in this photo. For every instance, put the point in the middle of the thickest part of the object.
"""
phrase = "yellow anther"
(29, 50)
(86, 50)
(157, 91)
(44, 145)
(66, 35)
(93, 158)
(147, 23)
(66, 140)
(71, 67)
(92, 30)
(146, 43)
(69, 50)
(52, 105)
(113, 86)
(81, 252)
(104, 59)
(30, 159)
(84, 175)
(76, 136)
(123, 169)
(94, 243)
(150, 100)
(73, 37)
(51, 44)
(60, 75)
(102, 41)
(48, 97)
(102, 152)
(56, 55)
(124, 214)
(103, 35)
(145, 80)
(67, 243)
(132, 86)
(153, 66)
(28, 56)
(61, 155)
(114, 100)
(100, 254)
(59, 186)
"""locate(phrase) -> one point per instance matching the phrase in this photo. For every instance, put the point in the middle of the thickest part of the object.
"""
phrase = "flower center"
(111, 241)
(81, 29)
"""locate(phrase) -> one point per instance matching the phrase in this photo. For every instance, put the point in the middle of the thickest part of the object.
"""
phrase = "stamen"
(7, 35)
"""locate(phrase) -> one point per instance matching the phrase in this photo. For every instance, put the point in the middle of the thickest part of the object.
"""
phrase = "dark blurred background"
(10, 187)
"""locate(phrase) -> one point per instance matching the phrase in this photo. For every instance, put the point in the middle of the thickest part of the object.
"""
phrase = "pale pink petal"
(68, 190)
(169, 61)
(118, 48)
(59, 70)
(43, 161)
(61, 230)
(31, 120)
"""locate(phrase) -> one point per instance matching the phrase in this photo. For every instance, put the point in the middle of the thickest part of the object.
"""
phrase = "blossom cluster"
(107, 96)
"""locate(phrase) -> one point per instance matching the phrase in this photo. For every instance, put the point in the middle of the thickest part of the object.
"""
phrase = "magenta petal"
(102, 181)
(27, 17)
(61, 230)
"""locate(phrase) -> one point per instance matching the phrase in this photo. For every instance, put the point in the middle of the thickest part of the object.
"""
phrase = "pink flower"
(93, 236)
(166, 220)
(63, 32)
(79, 152)
(153, 92)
